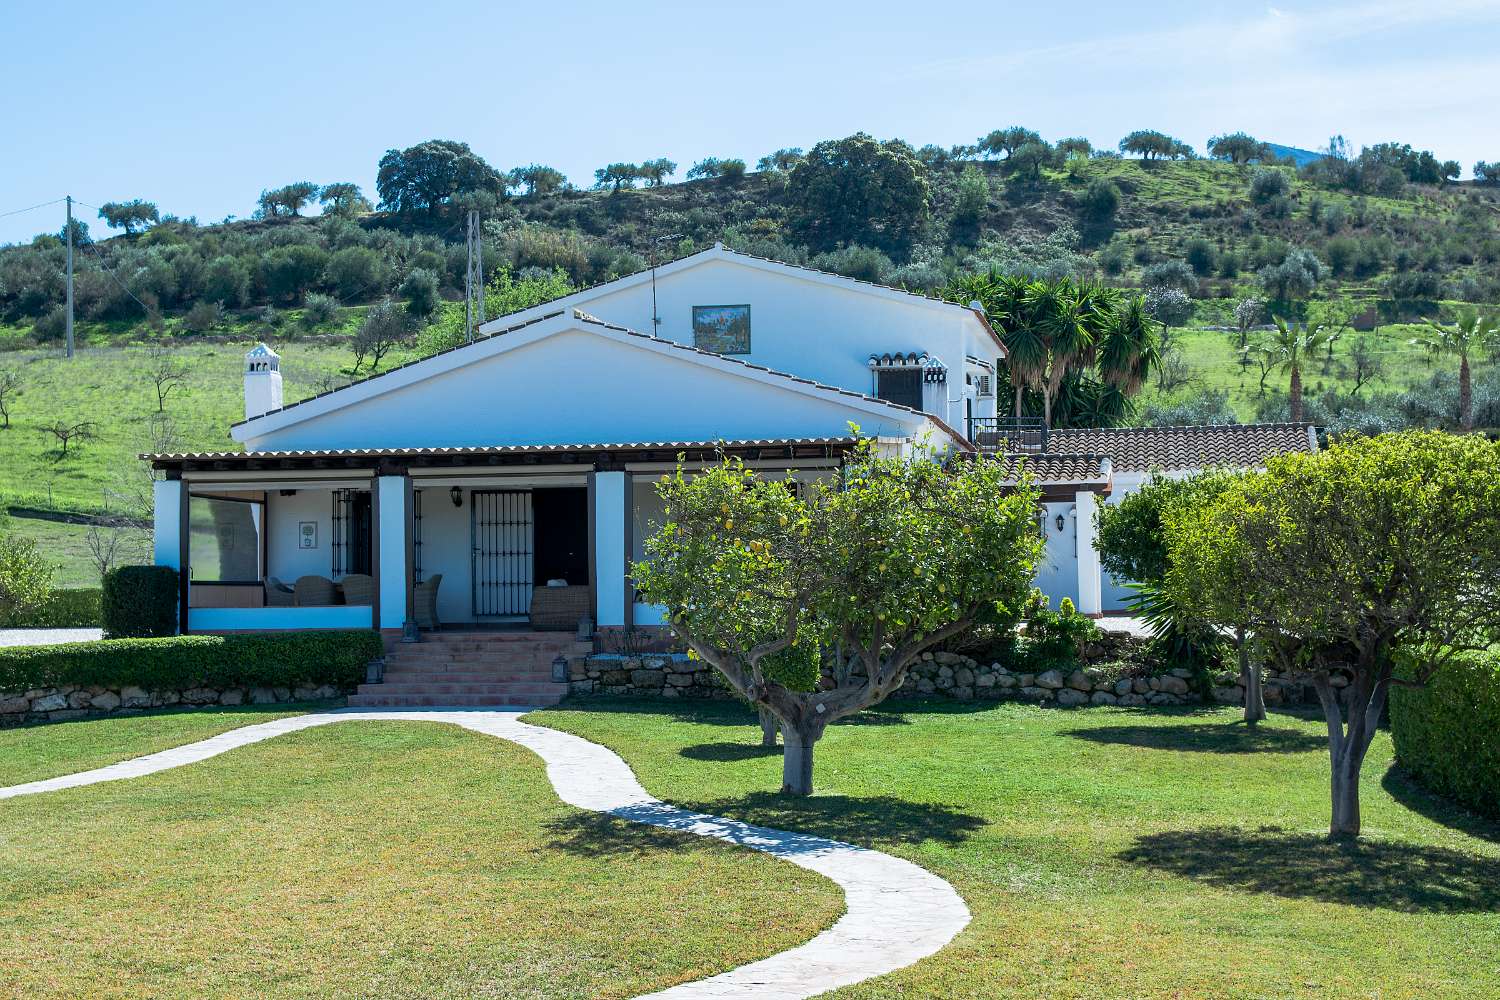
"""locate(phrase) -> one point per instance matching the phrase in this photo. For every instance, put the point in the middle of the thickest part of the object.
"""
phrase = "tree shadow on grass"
(1441, 810)
(1233, 737)
(869, 821)
(727, 751)
(1411, 878)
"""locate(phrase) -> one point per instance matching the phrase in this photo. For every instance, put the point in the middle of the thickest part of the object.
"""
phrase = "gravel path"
(46, 636)
(896, 913)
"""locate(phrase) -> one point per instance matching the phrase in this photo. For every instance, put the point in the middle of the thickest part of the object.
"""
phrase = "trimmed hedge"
(139, 601)
(63, 609)
(1447, 734)
(177, 663)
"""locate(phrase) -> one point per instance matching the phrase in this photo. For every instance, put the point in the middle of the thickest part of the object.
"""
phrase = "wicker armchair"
(278, 594)
(424, 597)
(314, 592)
(359, 588)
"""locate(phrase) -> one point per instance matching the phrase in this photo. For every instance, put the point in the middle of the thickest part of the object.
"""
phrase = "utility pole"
(655, 255)
(474, 281)
(70, 274)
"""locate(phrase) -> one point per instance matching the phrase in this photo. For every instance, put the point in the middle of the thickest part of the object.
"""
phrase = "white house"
(510, 480)
(528, 457)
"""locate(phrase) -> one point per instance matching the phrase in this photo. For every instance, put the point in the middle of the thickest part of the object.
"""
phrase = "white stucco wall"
(447, 549)
(284, 559)
(1057, 573)
(578, 387)
(806, 326)
(167, 533)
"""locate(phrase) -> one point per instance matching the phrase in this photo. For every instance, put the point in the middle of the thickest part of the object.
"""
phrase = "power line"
(32, 208)
(89, 242)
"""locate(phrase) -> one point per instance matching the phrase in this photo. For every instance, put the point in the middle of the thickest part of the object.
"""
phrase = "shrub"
(1100, 201)
(177, 663)
(1054, 639)
(203, 317)
(319, 310)
(139, 601)
(25, 578)
(1447, 734)
(355, 272)
(1268, 184)
(61, 609)
(420, 290)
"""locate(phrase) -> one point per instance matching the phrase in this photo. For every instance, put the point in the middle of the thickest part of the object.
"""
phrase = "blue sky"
(198, 106)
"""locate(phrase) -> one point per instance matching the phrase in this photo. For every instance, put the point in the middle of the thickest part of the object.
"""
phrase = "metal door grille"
(502, 530)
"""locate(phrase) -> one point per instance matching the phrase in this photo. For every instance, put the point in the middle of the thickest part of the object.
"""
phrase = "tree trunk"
(1465, 397)
(768, 726)
(1020, 390)
(1296, 395)
(1255, 699)
(797, 759)
(1345, 799)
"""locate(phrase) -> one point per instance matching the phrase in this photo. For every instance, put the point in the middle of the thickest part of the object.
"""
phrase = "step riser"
(431, 701)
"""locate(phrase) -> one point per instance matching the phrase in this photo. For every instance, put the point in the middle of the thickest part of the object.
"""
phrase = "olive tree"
(1379, 558)
(889, 560)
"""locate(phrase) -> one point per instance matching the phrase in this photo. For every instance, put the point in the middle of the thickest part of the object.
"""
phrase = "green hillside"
(1391, 247)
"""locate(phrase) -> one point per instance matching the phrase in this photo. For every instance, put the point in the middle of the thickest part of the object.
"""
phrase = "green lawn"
(1116, 853)
(390, 859)
(32, 753)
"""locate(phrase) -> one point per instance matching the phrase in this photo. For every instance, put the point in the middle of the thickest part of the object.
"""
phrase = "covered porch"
(535, 537)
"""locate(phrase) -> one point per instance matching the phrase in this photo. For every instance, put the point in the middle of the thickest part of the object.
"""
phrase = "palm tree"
(1127, 349)
(1005, 302)
(1471, 333)
(1290, 346)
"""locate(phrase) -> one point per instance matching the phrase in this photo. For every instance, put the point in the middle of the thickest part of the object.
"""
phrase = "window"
(224, 539)
(900, 385)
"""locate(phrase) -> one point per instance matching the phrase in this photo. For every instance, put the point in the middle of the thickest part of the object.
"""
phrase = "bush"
(1100, 201)
(420, 290)
(1447, 734)
(25, 578)
(203, 317)
(319, 310)
(177, 663)
(139, 601)
(61, 609)
(1268, 184)
(1054, 640)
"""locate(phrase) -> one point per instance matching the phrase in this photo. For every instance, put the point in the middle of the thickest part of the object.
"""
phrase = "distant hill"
(1302, 157)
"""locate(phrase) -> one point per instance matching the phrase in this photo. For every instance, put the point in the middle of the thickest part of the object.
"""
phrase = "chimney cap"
(262, 351)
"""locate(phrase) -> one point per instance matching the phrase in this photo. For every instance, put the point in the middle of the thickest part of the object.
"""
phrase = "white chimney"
(262, 381)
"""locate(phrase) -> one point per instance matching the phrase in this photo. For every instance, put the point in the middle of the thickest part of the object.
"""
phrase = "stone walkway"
(47, 636)
(896, 913)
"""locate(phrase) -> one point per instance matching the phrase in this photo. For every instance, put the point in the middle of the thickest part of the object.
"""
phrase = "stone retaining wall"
(62, 703)
(952, 675)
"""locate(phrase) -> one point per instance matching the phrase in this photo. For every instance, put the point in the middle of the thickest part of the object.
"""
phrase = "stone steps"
(468, 668)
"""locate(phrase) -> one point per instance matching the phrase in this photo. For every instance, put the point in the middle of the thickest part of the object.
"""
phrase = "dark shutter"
(900, 385)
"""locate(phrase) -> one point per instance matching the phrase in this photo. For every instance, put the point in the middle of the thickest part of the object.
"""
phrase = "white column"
(167, 535)
(394, 573)
(609, 547)
(1089, 583)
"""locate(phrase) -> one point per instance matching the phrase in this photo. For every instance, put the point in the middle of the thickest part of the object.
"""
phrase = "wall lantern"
(456, 494)
(1062, 522)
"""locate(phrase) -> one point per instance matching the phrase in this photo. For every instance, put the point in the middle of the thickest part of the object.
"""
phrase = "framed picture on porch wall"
(307, 534)
(722, 329)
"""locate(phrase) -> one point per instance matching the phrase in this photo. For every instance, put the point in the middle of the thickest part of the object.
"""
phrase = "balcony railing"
(1008, 434)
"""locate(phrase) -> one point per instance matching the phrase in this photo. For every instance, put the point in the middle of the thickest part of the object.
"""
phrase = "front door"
(503, 532)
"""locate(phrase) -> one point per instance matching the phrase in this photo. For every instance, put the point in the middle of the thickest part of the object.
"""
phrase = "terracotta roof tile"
(1051, 467)
(1142, 449)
